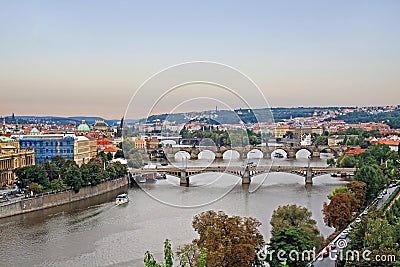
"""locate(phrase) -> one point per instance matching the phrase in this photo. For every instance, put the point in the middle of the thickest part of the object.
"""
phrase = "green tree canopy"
(293, 216)
(292, 239)
(347, 161)
(373, 177)
(73, 177)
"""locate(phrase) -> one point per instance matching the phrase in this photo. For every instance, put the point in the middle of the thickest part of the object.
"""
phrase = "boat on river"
(121, 199)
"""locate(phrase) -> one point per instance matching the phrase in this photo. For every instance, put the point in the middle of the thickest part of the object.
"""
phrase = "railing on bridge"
(246, 172)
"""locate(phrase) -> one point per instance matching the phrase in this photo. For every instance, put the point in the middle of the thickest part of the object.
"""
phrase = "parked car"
(358, 220)
(380, 196)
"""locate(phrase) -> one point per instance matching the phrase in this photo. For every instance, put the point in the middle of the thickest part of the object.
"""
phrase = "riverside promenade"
(53, 199)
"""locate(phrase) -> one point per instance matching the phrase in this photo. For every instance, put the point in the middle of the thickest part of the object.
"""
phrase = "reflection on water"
(96, 232)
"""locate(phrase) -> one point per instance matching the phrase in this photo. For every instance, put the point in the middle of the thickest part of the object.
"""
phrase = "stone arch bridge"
(245, 172)
(291, 151)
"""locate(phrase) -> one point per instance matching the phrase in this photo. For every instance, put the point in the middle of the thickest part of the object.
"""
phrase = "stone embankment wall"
(53, 199)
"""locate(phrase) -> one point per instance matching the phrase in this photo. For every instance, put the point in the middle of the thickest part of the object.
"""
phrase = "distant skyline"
(68, 58)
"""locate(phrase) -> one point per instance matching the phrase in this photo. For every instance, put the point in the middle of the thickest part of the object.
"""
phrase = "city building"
(11, 158)
(139, 142)
(280, 131)
(84, 149)
(78, 148)
(100, 125)
(83, 128)
(152, 142)
(335, 140)
(306, 140)
(392, 141)
(299, 132)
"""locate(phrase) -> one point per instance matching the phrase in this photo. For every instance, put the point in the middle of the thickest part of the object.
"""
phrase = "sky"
(70, 58)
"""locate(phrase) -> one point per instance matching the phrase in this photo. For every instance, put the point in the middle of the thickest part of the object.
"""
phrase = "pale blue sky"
(88, 57)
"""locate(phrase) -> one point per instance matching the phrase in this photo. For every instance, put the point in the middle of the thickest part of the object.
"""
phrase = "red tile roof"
(111, 149)
(355, 151)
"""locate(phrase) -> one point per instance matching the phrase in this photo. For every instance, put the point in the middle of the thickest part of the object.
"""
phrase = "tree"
(168, 256)
(52, 170)
(149, 260)
(109, 156)
(373, 177)
(110, 172)
(321, 140)
(331, 162)
(73, 177)
(92, 173)
(35, 188)
(120, 169)
(340, 189)
(33, 173)
(101, 155)
(379, 152)
(119, 154)
(58, 184)
(293, 216)
(230, 241)
(292, 239)
(188, 254)
(59, 161)
(376, 235)
(358, 188)
(347, 161)
(338, 212)
(202, 260)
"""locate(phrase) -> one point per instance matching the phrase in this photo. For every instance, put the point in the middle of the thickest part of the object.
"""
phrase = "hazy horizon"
(89, 57)
(189, 111)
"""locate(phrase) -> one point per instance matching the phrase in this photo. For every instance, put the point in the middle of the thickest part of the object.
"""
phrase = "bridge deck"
(242, 168)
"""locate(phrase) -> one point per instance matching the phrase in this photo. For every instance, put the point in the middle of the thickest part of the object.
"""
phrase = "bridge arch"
(206, 154)
(231, 154)
(181, 155)
(329, 150)
(303, 153)
(255, 154)
(278, 152)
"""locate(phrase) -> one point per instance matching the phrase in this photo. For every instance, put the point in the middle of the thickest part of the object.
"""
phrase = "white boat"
(121, 199)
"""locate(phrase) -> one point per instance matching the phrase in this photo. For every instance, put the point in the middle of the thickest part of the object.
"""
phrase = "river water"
(95, 232)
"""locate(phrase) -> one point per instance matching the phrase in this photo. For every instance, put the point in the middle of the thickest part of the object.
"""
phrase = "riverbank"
(54, 199)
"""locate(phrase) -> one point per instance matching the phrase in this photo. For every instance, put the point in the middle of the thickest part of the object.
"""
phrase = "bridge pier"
(184, 179)
(291, 154)
(309, 176)
(218, 155)
(267, 155)
(246, 177)
(315, 154)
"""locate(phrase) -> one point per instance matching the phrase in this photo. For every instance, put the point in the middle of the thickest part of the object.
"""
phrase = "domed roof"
(34, 131)
(83, 127)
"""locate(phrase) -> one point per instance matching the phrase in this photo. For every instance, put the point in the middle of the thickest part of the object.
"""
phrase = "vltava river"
(95, 232)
